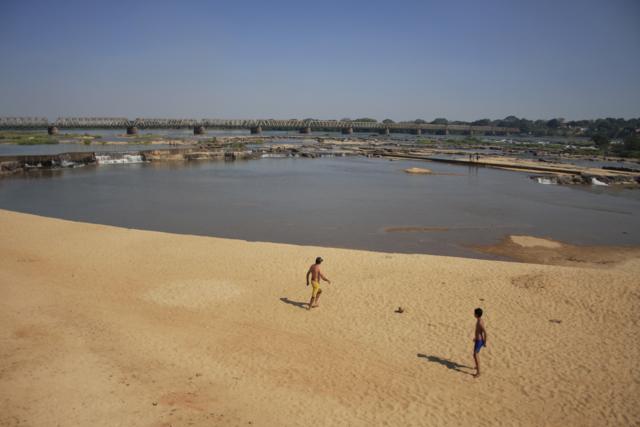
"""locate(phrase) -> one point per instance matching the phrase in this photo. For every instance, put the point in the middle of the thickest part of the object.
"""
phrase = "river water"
(339, 202)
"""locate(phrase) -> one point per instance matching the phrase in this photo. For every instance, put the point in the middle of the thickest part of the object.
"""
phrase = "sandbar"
(108, 326)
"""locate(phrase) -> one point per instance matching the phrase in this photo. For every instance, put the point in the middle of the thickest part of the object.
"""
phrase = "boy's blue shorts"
(477, 346)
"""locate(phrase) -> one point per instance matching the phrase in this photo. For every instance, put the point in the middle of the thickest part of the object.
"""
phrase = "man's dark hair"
(318, 260)
(478, 312)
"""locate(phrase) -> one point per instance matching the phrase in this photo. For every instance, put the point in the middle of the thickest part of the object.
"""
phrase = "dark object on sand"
(400, 310)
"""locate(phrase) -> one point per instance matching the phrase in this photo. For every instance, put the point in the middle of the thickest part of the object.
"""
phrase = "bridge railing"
(92, 122)
(264, 124)
(23, 123)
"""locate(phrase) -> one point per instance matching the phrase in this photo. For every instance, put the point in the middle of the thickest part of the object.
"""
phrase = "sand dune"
(107, 326)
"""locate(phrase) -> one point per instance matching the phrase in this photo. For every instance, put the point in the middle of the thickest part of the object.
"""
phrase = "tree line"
(612, 128)
(616, 135)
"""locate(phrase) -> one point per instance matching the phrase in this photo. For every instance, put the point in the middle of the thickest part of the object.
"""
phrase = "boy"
(316, 275)
(479, 340)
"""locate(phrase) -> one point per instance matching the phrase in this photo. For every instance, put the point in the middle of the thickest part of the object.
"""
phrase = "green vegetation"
(630, 147)
(611, 128)
(471, 140)
(26, 138)
(77, 136)
(601, 141)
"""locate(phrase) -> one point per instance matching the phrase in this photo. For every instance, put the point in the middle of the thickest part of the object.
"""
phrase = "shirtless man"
(479, 339)
(316, 275)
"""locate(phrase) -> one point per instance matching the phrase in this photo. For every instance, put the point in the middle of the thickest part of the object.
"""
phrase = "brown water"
(339, 202)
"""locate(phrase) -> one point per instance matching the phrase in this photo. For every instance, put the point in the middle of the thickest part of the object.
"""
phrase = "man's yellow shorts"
(316, 288)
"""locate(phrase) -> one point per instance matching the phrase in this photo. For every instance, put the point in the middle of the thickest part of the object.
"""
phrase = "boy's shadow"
(446, 363)
(294, 303)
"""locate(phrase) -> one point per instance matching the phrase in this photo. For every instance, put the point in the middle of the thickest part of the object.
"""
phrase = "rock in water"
(419, 171)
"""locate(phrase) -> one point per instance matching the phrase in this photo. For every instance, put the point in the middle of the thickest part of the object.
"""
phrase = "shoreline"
(235, 148)
(105, 325)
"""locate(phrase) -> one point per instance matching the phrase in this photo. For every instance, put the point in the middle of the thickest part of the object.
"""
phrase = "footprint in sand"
(532, 282)
(193, 293)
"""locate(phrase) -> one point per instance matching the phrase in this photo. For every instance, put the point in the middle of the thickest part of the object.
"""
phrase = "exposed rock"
(589, 179)
(205, 155)
(10, 167)
(14, 164)
(238, 155)
(419, 171)
(163, 155)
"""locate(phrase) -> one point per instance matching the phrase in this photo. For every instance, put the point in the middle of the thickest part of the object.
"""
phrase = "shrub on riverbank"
(26, 138)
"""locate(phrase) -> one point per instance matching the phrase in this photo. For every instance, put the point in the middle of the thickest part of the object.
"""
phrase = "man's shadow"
(298, 304)
(446, 363)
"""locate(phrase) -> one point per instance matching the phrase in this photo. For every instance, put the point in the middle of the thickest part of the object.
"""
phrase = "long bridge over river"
(200, 126)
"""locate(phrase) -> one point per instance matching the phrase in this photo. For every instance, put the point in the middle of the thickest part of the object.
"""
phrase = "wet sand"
(113, 326)
(547, 251)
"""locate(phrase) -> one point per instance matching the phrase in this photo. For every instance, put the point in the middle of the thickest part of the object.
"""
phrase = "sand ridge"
(548, 251)
(109, 326)
(531, 242)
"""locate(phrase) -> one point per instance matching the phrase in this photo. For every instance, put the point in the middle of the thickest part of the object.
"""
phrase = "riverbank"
(105, 325)
(567, 171)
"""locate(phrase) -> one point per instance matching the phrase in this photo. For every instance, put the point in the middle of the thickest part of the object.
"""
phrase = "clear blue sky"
(284, 59)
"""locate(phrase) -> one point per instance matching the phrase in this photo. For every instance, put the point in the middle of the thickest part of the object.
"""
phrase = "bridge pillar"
(305, 130)
(256, 130)
(347, 131)
(132, 130)
(446, 131)
(199, 130)
(52, 130)
(384, 131)
(417, 131)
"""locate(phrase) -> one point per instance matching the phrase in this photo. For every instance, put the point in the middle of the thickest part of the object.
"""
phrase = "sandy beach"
(107, 326)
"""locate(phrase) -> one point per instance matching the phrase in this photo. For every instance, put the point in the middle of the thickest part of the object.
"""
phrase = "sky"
(462, 60)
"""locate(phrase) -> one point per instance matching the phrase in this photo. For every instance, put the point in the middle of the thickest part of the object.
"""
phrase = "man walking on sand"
(479, 339)
(316, 275)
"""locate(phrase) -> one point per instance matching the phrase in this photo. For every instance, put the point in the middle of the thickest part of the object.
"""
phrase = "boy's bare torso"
(315, 273)
(479, 330)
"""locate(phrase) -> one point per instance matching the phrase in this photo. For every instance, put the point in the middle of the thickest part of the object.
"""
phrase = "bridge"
(200, 126)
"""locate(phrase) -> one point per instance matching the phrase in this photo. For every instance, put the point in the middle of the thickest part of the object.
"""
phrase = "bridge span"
(200, 126)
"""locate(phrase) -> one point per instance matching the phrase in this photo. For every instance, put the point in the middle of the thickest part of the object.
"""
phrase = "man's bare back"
(316, 276)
